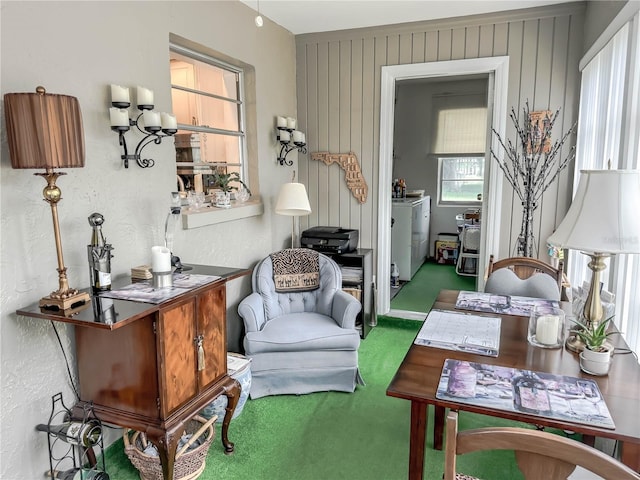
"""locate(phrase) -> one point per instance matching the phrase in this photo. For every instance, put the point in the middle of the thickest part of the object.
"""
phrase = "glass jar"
(546, 327)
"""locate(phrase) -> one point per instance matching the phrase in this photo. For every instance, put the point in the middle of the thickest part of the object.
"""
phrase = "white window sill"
(209, 215)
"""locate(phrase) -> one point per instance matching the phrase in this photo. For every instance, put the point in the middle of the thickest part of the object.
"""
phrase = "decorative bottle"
(530, 394)
(80, 474)
(395, 275)
(99, 253)
(85, 434)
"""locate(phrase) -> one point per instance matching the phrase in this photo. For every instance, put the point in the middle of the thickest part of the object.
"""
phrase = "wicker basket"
(188, 464)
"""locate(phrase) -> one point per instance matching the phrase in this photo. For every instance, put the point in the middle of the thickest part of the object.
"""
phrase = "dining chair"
(521, 280)
(539, 455)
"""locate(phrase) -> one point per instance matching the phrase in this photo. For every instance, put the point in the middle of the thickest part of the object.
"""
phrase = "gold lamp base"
(65, 300)
(574, 343)
(67, 304)
(593, 312)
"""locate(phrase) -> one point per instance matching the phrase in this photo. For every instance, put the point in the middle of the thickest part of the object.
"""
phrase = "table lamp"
(44, 131)
(601, 222)
(293, 201)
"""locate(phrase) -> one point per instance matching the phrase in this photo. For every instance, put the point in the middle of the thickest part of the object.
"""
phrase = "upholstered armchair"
(301, 337)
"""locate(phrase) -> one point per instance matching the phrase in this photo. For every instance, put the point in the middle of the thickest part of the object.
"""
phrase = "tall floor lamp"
(602, 221)
(294, 202)
(44, 131)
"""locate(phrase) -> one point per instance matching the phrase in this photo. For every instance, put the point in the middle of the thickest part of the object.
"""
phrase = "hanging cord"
(66, 360)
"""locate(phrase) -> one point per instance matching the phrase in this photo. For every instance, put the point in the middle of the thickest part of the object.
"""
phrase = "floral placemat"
(564, 398)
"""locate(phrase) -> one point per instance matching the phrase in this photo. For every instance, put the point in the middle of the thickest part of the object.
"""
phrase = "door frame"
(490, 236)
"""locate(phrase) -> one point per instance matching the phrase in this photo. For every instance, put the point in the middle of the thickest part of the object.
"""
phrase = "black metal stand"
(65, 456)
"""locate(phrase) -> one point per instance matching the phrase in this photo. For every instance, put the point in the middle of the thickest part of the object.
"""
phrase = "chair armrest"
(345, 309)
(251, 309)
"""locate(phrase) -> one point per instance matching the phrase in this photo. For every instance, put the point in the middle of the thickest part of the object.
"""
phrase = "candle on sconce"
(298, 136)
(160, 259)
(168, 121)
(119, 117)
(285, 136)
(119, 94)
(281, 122)
(304, 138)
(151, 119)
(291, 123)
(144, 96)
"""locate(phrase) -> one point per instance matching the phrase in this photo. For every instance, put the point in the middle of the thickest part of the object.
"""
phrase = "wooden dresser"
(152, 367)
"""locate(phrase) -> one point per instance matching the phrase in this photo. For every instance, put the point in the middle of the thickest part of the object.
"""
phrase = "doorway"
(497, 68)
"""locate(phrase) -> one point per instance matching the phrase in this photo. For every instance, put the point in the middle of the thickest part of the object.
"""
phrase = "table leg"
(167, 443)
(232, 392)
(630, 455)
(438, 427)
(417, 440)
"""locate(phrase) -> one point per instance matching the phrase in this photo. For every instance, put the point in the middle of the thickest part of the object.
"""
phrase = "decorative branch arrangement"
(532, 165)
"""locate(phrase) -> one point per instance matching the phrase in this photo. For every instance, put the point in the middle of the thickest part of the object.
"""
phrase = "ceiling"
(307, 16)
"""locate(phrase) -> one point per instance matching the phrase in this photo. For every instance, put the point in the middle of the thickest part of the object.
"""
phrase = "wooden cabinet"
(155, 366)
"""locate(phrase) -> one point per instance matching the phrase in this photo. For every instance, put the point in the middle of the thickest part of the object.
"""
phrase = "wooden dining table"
(418, 377)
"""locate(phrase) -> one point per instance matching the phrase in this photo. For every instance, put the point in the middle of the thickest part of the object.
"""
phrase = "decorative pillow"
(296, 270)
(538, 285)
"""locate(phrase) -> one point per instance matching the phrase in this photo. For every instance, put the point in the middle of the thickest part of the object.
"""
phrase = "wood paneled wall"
(338, 88)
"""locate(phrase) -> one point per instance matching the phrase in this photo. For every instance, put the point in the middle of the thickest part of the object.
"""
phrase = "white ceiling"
(307, 16)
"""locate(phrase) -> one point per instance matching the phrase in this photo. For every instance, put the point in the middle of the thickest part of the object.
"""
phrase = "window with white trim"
(608, 130)
(208, 101)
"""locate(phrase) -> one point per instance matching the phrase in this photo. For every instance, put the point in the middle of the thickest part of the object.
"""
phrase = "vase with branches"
(532, 164)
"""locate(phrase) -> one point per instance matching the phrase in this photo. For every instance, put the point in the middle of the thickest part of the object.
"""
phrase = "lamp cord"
(66, 360)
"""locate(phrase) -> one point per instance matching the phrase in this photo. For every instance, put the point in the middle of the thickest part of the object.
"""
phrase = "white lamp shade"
(603, 217)
(293, 200)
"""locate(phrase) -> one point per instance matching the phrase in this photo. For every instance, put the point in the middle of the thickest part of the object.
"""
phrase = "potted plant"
(595, 359)
(222, 181)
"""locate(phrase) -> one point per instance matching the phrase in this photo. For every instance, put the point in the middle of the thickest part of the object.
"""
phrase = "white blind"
(608, 128)
(462, 130)
(460, 123)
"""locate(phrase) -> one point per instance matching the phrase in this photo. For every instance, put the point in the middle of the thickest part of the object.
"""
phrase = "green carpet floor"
(418, 294)
(332, 435)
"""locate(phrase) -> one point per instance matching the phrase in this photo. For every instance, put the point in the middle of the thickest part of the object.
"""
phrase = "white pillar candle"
(151, 119)
(119, 117)
(281, 122)
(119, 94)
(160, 259)
(144, 96)
(547, 329)
(297, 136)
(168, 121)
(284, 136)
(304, 138)
(291, 123)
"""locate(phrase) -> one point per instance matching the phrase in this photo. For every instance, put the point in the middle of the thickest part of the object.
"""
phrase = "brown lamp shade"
(44, 130)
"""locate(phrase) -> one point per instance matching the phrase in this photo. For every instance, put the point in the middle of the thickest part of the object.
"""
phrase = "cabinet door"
(212, 309)
(177, 352)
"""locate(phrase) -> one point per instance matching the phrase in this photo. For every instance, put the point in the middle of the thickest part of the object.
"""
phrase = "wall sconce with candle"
(289, 138)
(153, 122)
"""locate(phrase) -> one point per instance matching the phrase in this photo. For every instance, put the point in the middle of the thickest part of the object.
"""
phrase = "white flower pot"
(595, 363)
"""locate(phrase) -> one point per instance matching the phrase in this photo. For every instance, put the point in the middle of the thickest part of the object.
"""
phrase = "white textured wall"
(78, 49)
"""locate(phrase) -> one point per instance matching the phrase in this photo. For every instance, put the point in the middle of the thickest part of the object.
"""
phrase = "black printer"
(330, 239)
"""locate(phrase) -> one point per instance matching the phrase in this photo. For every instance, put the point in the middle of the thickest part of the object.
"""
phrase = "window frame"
(240, 102)
(440, 157)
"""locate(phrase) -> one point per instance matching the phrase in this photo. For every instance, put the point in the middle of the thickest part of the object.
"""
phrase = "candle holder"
(290, 139)
(167, 125)
(546, 327)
